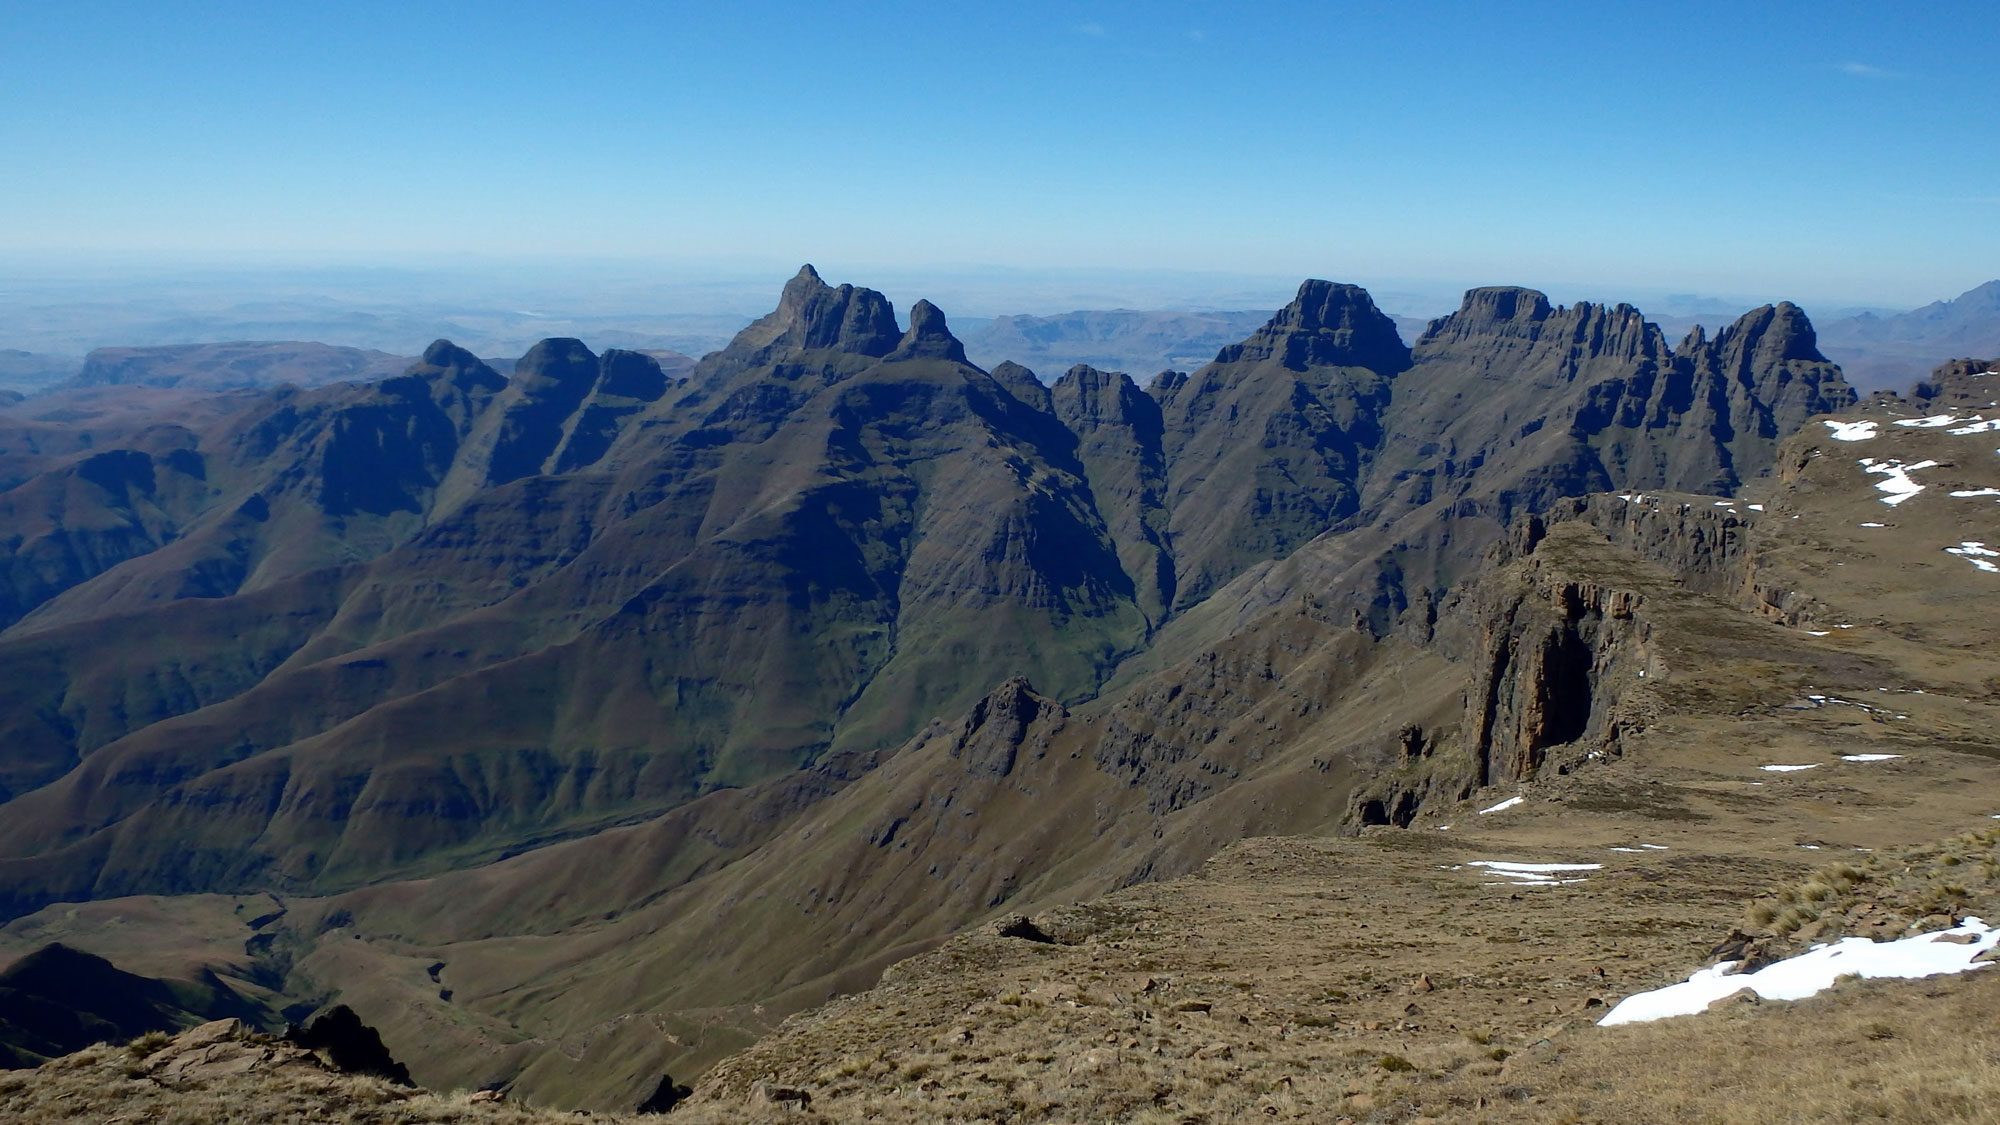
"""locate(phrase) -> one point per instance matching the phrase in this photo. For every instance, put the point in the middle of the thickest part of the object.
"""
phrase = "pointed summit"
(812, 314)
(1326, 325)
(928, 337)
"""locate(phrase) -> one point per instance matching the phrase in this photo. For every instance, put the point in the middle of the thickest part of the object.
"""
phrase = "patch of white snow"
(1977, 553)
(1812, 972)
(1852, 431)
(1788, 769)
(1896, 478)
(1868, 757)
(1930, 423)
(1506, 804)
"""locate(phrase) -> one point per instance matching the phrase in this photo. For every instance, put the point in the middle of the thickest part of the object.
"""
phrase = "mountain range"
(1892, 352)
(503, 707)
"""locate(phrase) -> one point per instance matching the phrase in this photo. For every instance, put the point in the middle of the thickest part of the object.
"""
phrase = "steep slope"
(1510, 404)
(1266, 447)
(57, 1000)
(835, 531)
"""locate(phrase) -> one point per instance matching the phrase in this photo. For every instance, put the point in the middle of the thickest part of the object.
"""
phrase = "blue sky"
(1827, 150)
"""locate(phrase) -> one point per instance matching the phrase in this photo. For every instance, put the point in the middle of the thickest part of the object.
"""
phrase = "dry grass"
(1914, 1052)
(103, 1085)
(1888, 894)
(1875, 1051)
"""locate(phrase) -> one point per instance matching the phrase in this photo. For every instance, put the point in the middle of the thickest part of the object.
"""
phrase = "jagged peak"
(812, 314)
(1328, 324)
(929, 337)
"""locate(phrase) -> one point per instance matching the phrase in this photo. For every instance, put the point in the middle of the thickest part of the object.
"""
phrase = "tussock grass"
(1888, 894)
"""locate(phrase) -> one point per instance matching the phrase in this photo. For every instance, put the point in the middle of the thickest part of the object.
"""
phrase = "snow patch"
(1977, 426)
(1977, 553)
(1896, 478)
(1788, 769)
(1812, 972)
(1977, 492)
(1871, 525)
(1506, 804)
(1533, 874)
(1852, 431)
(1868, 757)
(1932, 422)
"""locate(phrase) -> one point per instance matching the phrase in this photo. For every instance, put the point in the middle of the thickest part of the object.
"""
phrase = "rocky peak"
(560, 361)
(1503, 304)
(1326, 325)
(444, 358)
(1771, 334)
(1503, 312)
(631, 375)
(928, 337)
(1960, 383)
(1086, 398)
(1012, 719)
(812, 314)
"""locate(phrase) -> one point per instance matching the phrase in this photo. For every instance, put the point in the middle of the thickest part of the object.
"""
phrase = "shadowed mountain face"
(57, 1000)
(328, 638)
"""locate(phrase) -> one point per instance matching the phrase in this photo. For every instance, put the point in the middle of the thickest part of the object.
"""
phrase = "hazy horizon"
(1035, 158)
(503, 304)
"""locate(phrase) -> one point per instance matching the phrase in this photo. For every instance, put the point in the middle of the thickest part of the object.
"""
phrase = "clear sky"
(1827, 149)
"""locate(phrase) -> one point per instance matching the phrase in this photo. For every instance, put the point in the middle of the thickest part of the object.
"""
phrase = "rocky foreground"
(221, 1073)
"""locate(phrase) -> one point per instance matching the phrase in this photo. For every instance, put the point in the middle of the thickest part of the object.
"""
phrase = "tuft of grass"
(147, 1045)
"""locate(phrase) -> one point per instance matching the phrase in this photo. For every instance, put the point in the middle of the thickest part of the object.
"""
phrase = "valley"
(603, 722)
